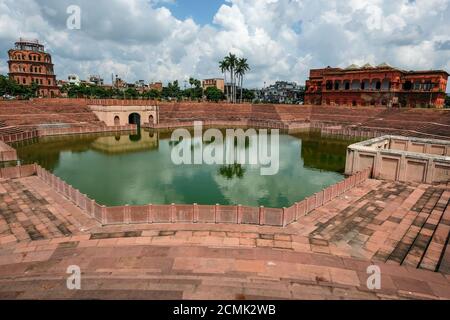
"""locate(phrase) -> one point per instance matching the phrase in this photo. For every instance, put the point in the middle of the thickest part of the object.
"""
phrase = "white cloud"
(282, 39)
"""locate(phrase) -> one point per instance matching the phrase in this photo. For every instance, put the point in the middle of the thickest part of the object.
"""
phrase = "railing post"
(283, 217)
(127, 214)
(104, 217)
(216, 212)
(262, 216)
(92, 208)
(172, 213)
(195, 213)
(150, 213)
(239, 214)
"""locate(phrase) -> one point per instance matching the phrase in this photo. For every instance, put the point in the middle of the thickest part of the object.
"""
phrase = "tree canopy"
(12, 88)
(214, 94)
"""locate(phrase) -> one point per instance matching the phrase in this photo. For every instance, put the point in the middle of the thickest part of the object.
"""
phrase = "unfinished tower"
(28, 62)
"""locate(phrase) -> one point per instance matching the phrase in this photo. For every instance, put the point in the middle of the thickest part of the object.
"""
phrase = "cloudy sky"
(282, 39)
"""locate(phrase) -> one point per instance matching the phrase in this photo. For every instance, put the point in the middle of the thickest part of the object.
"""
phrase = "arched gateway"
(114, 114)
(134, 118)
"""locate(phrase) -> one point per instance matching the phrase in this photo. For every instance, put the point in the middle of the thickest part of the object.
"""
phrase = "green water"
(137, 170)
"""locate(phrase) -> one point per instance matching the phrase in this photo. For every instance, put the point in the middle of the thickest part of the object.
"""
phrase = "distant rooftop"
(29, 45)
(384, 65)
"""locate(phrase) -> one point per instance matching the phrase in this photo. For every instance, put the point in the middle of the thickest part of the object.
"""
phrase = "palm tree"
(223, 65)
(237, 67)
(239, 72)
(241, 68)
(232, 60)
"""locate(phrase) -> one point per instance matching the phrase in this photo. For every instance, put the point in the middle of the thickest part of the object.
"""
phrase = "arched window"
(116, 121)
(356, 84)
(378, 85)
(347, 85)
(407, 86)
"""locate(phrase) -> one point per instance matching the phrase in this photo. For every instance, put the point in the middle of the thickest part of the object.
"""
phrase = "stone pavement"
(31, 210)
(385, 221)
(402, 228)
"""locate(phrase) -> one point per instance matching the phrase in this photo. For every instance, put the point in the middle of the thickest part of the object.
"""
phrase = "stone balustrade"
(187, 213)
(400, 158)
(43, 132)
(7, 153)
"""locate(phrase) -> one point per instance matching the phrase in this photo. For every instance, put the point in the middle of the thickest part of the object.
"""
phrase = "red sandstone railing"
(18, 172)
(20, 136)
(216, 123)
(7, 153)
(83, 130)
(125, 102)
(194, 213)
(327, 129)
(42, 132)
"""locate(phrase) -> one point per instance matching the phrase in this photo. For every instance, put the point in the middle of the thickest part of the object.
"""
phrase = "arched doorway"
(151, 119)
(134, 118)
(116, 121)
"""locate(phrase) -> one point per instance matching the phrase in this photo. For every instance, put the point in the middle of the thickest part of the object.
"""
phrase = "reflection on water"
(231, 171)
(137, 169)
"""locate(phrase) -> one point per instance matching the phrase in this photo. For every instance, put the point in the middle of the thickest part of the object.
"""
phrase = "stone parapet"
(7, 153)
(401, 159)
(186, 213)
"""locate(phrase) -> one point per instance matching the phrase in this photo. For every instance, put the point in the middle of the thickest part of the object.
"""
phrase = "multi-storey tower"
(28, 62)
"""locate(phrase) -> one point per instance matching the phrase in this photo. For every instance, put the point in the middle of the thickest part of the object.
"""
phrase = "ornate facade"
(28, 62)
(376, 86)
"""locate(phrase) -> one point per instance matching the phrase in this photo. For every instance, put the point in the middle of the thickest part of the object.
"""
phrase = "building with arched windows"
(382, 85)
(28, 62)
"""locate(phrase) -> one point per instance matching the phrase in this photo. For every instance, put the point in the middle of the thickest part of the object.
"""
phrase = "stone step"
(422, 242)
(436, 247)
(424, 208)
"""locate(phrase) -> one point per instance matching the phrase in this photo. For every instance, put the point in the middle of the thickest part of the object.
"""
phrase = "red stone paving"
(402, 228)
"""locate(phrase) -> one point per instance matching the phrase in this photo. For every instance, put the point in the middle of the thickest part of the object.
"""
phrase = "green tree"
(11, 87)
(152, 94)
(131, 93)
(214, 94)
(248, 95)
(237, 67)
(241, 68)
(231, 61)
(172, 91)
(224, 68)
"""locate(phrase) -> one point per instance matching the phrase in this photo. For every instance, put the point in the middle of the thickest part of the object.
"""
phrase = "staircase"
(424, 243)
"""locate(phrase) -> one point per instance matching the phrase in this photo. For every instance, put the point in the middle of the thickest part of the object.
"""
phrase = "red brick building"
(376, 86)
(28, 62)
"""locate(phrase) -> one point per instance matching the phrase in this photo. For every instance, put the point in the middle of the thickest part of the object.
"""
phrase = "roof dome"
(384, 65)
(352, 67)
(367, 66)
